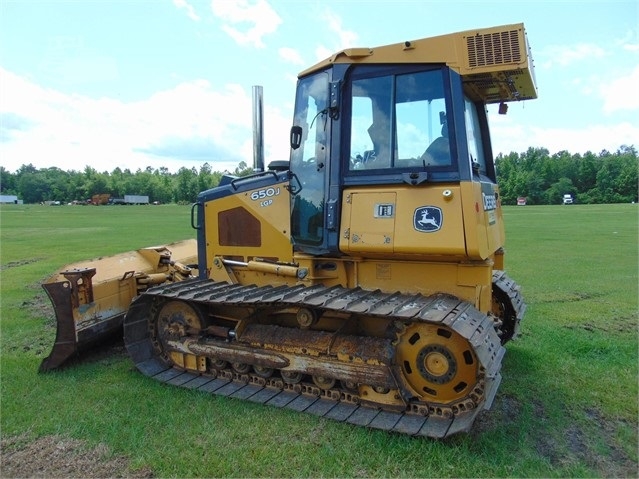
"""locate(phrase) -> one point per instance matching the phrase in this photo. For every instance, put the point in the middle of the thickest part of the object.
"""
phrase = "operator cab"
(358, 125)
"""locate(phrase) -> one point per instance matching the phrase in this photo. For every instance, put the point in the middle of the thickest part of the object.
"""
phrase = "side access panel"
(245, 218)
(424, 221)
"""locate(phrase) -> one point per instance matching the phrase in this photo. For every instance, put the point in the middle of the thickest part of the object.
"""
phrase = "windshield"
(399, 121)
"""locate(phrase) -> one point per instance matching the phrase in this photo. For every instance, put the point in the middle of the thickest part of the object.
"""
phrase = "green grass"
(567, 406)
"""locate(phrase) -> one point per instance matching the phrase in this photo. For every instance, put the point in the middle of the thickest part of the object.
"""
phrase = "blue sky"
(167, 83)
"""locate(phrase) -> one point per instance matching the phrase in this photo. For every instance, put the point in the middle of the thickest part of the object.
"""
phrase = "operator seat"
(438, 152)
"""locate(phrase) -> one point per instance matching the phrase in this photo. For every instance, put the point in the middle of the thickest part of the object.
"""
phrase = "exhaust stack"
(258, 129)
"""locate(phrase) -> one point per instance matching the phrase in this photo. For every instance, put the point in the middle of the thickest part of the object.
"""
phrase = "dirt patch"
(40, 306)
(617, 462)
(60, 457)
(593, 442)
(505, 409)
(548, 448)
(578, 445)
(621, 324)
(570, 297)
(15, 264)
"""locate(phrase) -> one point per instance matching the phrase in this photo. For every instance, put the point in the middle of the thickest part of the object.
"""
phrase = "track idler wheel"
(175, 320)
(324, 382)
(241, 368)
(350, 386)
(291, 377)
(219, 364)
(437, 364)
(263, 371)
(503, 310)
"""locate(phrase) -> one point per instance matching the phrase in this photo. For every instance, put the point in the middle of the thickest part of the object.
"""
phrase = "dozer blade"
(90, 298)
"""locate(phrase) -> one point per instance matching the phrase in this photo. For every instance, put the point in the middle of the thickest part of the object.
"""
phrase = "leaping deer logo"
(428, 219)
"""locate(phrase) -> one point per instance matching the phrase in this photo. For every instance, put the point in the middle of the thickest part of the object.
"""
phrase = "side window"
(422, 134)
(361, 143)
(371, 127)
(473, 133)
(413, 130)
(399, 121)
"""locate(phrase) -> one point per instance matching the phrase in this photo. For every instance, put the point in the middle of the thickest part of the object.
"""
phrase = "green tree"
(34, 187)
(543, 179)
(59, 184)
(205, 178)
(186, 186)
(8, 183)
(586, 172)
(242, 169)
(163, 186)
(628, 180)
(554, 194)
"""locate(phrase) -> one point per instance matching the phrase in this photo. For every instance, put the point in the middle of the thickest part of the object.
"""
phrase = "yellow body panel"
(247, 225)
(483, 222)
(468, 281)
(380, 238)
(377, 221)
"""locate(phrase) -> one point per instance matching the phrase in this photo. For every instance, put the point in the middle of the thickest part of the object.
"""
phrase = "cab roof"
(495, 63)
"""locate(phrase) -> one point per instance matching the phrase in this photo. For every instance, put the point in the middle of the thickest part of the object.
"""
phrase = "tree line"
(33, 185)
(540, 177)
(543, 178)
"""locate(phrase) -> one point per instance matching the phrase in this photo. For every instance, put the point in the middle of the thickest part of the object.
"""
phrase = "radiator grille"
(493, 49)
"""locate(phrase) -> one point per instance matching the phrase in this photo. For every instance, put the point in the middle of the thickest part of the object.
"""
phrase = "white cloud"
(277, 128)
(184, 126)
(255, 19)
(292, 79)
(594, 138)
(509, 137)
(321, 53)
(291, 55)
(622, 93)
(190, 11)
(343, 38)
(567, 55)
(346, 38)
(629, 42)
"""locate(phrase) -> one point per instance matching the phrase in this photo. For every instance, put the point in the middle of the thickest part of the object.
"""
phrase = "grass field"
(567, 406)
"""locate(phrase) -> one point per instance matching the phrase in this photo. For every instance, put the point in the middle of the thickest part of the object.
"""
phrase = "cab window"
(399, 121)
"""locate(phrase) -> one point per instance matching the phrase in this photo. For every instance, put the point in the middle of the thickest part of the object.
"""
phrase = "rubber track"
(460, 316)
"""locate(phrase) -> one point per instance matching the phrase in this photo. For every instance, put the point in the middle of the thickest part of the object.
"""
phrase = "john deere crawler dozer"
(363, 280)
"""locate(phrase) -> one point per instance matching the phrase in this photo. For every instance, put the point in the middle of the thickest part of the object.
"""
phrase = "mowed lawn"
(567, 406)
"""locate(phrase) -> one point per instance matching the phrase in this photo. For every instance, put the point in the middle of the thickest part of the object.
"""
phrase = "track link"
(510, 305)
(418, 418)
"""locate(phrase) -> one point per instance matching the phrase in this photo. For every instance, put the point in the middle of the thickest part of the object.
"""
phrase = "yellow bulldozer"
(362, 280)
